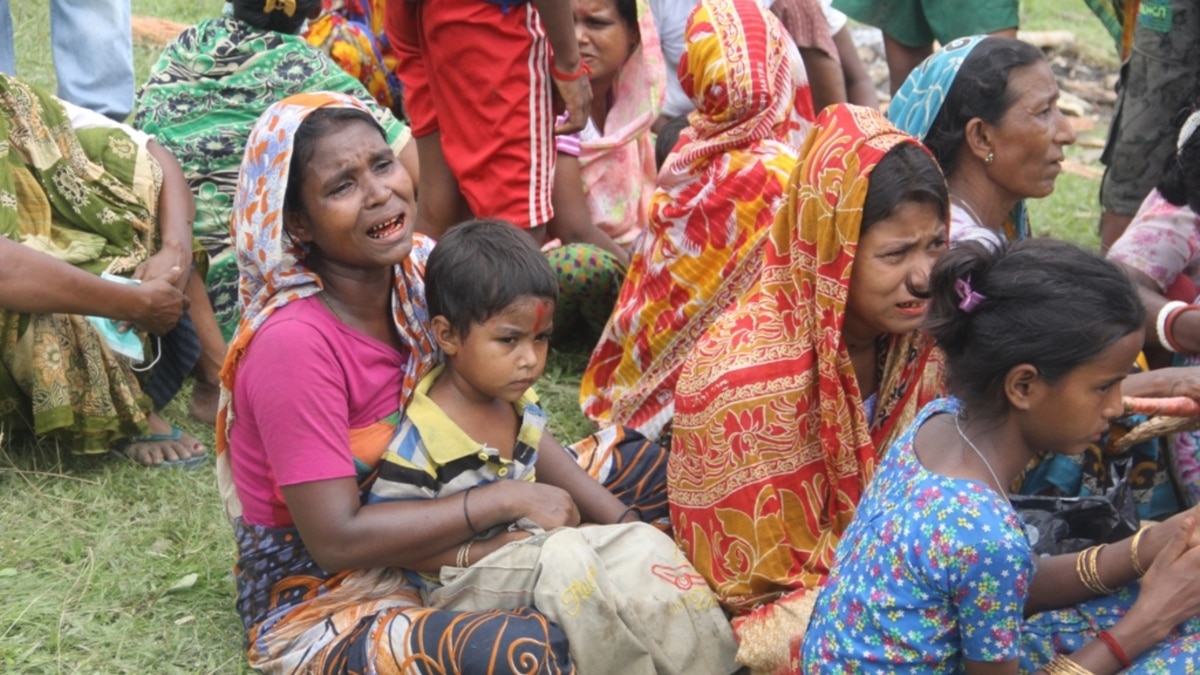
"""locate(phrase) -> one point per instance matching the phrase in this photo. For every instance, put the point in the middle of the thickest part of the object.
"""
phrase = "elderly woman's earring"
(991, 157)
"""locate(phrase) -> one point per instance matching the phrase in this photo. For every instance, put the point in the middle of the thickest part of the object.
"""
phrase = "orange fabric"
(772, 448)
(718, 194)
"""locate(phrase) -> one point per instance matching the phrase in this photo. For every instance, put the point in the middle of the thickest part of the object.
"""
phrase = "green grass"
(96, 554)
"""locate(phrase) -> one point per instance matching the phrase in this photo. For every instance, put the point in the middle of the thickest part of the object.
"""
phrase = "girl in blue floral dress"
(935, 573)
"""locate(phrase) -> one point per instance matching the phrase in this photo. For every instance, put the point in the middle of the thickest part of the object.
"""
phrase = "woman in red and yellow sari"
(717, 195)
(786, 401)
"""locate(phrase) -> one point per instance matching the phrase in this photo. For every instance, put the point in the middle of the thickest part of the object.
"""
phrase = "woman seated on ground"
(605, 174)
(786, 402)
(335, 336)
(1160, 250)
(206, 90)
(987, 108)
(716, 197)
(85, 195)
(935, 573)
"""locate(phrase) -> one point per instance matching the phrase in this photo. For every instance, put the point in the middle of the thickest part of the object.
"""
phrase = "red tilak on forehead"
(542, 307)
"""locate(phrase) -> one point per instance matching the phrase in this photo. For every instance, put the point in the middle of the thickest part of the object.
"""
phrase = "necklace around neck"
(971, 211)
(986, 463)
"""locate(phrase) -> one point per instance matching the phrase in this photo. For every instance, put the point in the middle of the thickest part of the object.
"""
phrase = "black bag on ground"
(1057, 525)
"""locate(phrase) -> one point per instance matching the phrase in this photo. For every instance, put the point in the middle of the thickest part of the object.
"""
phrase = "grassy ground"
(109, 568)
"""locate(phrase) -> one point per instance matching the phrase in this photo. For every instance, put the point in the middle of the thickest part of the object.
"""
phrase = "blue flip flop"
(175, 435)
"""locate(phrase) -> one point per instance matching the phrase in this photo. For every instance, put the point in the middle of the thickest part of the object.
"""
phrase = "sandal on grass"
(125, 450)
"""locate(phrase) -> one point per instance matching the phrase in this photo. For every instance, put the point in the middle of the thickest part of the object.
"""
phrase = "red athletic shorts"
(480, 74)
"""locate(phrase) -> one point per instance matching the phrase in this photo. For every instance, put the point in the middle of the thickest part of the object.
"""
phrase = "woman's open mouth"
(912, 307)
(387, 228)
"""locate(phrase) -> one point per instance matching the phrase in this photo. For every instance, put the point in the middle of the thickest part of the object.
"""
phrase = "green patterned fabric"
(208, 87)
(88, 199)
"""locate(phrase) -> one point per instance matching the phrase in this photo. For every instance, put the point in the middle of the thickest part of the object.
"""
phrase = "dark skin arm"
(1169, 595)
(1185, 332)
(422, 535)
(176, 216)
(860, 89)
(824, 78)
(571, 222)
(559, 22)
(596, 504)
(35, 283)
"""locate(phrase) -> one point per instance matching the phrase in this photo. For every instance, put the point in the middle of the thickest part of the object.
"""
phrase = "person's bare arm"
(35, 283)
(341, 533)
(824, 78)
(1185, 332)
(860, 89)
(555, 466)
(572, 223)
(559, 23)
(176, 217)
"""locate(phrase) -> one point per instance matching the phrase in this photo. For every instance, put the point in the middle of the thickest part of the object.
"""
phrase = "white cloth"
(83, 118)
(964, 227)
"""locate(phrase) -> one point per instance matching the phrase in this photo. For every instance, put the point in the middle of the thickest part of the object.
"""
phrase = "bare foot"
(205, 396)
(165, 446)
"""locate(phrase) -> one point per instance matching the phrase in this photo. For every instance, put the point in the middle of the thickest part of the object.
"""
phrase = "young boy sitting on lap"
(627, 600)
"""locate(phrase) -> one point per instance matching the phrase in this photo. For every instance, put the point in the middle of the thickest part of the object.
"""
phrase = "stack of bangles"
(1061, 665)
(582, 71)
(1165, 323)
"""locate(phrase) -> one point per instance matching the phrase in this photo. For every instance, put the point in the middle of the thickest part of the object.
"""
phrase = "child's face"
(1071, 414)
(503, 356)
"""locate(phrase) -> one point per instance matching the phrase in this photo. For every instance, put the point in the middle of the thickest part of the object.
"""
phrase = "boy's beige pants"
(626, 598)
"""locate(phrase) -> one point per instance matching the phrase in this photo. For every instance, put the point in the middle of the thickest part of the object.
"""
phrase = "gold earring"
(991, 157)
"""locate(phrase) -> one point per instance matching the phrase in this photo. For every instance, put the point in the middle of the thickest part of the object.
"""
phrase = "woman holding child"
(785, 403)
(717, 195)
(935, 573)
(337, 344)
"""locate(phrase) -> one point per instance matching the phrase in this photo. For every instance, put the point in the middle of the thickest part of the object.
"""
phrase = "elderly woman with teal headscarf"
(987, 108)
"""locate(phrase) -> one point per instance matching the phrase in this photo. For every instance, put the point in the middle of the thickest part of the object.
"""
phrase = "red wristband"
(1115, 648)
(582, 71)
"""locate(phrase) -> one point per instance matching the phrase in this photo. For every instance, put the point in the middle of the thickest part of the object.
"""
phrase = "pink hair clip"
(968, 297)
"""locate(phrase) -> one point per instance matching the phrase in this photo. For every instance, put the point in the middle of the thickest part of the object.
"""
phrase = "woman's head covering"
(746, 79)
(919, 100)
(618, 168)
(271, 261)
(772, 445)
(717, 194)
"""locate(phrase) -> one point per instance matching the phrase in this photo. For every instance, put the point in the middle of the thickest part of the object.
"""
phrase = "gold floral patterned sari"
(772, 445)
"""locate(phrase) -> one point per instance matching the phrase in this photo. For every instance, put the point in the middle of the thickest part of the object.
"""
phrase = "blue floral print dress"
(936, 570)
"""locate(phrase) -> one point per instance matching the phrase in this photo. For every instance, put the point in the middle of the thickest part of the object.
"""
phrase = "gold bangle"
(1094, 569)
(1133, 552)
(1061, 665)
(463, 559)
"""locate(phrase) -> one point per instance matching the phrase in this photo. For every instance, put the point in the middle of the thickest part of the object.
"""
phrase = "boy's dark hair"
(1048, 303)
(251, 12)
(980, 90)
(1180, 183)
(481, 267)
(668, 138)
(318, 123)
(907, 173)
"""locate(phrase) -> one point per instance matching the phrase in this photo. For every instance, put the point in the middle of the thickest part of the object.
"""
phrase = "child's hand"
(1170, 591)
(548, 506)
